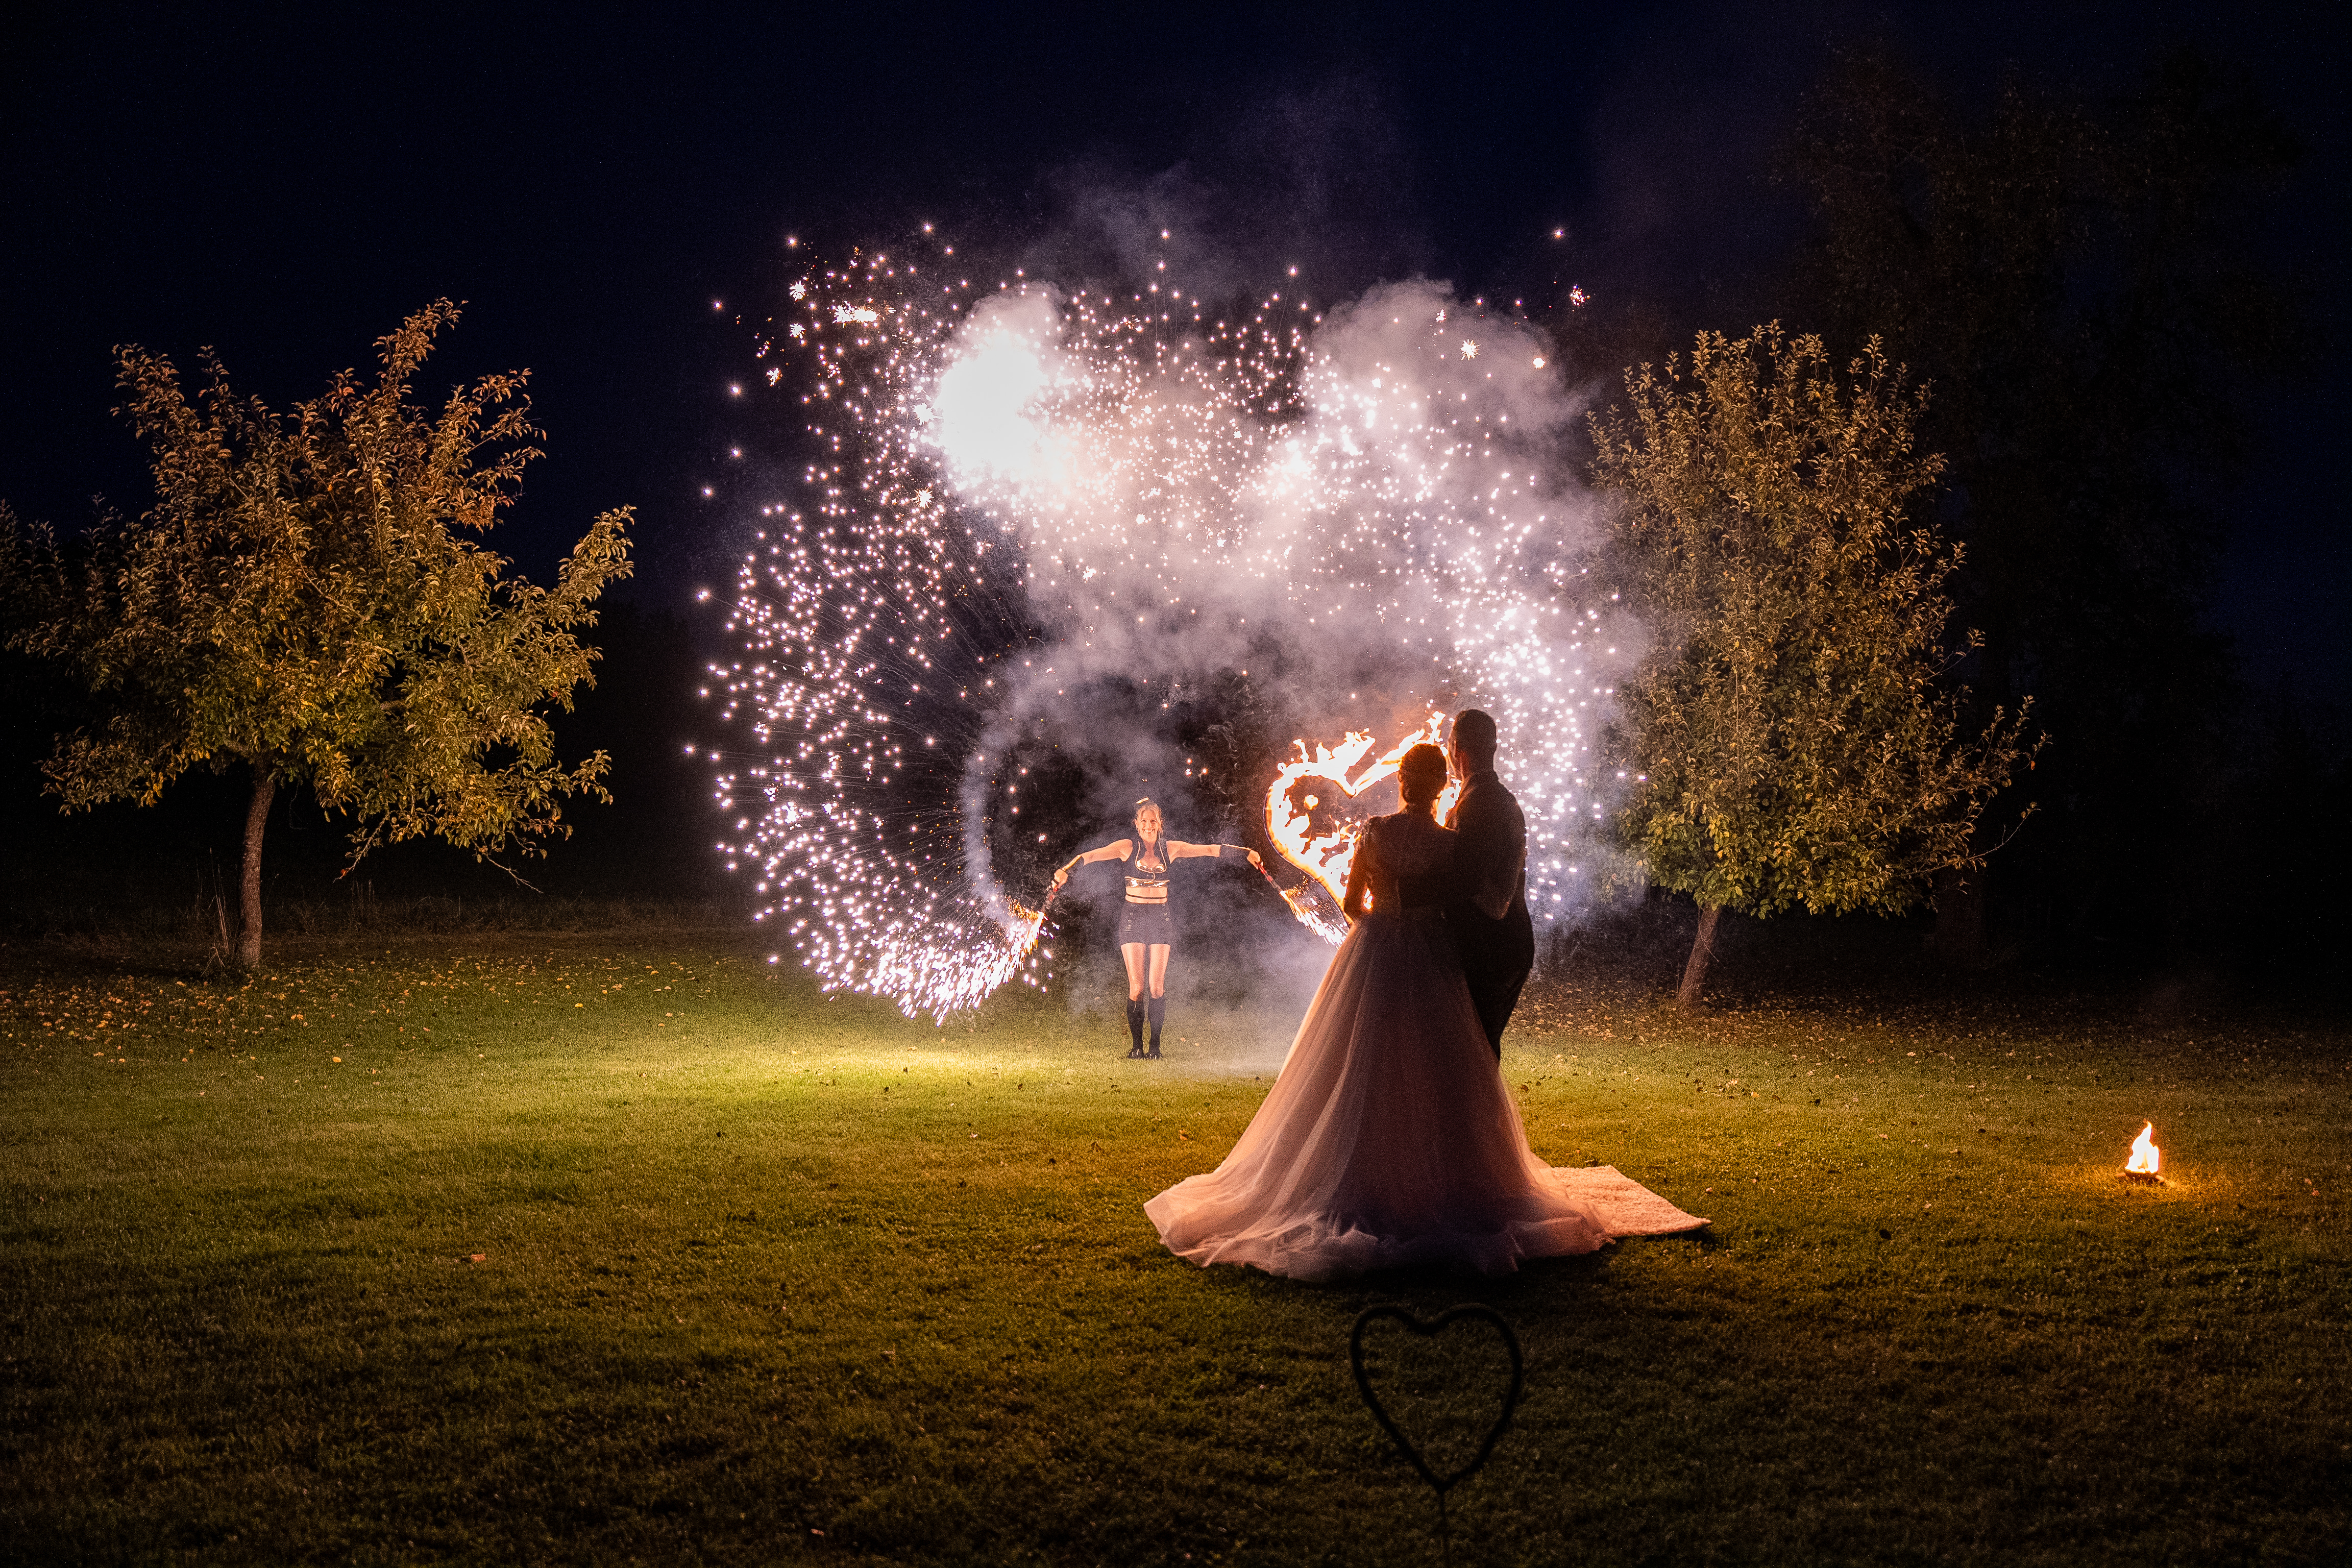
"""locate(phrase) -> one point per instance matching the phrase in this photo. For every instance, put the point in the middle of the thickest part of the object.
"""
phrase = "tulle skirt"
(1390, 1140)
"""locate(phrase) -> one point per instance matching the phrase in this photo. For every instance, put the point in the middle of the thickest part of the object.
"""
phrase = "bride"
(1390, 1140)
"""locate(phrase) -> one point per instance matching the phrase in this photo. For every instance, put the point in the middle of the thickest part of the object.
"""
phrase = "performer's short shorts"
(1150, 924)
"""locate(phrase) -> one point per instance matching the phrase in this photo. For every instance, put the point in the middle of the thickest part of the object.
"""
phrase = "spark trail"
(1021, 489)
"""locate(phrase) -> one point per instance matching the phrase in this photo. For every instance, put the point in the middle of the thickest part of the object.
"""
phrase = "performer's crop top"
(1147, 884)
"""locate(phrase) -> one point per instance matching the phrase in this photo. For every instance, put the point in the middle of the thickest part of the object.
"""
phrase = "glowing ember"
(1306, 814)
(2146, 1157)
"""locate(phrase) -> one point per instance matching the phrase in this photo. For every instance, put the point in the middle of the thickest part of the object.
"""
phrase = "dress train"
(1389, 1139)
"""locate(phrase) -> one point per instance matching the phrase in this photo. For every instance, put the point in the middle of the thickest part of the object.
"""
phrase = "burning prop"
(2145, 1160)
(1313, 815)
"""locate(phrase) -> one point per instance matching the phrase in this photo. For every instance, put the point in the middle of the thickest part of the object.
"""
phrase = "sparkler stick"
(1301, 903)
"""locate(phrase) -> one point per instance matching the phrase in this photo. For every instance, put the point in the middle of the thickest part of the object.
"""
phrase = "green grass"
(614, 1248)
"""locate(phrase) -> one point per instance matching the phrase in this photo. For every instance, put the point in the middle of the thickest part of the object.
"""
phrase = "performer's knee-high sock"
(1158, 1014)
(1135, 1020)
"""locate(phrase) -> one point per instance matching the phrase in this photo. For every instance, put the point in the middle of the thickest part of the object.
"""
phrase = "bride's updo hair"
(1421, 777)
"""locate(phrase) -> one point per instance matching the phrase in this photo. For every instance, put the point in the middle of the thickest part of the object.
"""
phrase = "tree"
(307, 599)
(1791, 740)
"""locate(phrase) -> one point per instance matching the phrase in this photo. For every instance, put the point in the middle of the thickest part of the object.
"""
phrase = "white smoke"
(1404, 524)
(1045, 524)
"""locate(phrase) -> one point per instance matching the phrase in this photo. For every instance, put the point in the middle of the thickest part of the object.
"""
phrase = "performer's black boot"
(1159, 1015)
(1135, 1026)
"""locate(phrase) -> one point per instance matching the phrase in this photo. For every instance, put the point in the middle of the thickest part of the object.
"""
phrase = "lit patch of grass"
(598, 1249)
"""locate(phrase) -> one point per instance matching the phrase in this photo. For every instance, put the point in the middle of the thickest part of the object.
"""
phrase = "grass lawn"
(631, 1247)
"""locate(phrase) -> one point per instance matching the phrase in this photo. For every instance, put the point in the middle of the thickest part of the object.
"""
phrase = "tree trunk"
(1959, 917)
(1702, 949)
(248, 909)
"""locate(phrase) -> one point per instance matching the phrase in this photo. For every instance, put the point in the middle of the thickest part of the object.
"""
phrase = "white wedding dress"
(1389, 1139)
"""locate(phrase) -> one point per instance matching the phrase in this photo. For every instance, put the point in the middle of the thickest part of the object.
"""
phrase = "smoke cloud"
(1078, 541)
(1397, 532)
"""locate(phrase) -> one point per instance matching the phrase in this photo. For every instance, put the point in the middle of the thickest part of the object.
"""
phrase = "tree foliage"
(310, 597)
(1792, 739)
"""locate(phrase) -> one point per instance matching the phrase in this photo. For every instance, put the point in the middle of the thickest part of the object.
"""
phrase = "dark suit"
(1498, 953)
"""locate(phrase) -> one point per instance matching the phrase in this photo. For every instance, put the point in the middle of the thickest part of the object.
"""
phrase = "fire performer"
(1147, 930)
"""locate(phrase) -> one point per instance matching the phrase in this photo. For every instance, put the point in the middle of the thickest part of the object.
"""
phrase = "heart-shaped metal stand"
(1425, 1329)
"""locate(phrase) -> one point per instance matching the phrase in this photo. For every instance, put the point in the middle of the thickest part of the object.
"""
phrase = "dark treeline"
(2073, 281)
(2077, 283)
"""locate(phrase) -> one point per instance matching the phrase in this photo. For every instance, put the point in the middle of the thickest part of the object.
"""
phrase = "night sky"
(287, 183)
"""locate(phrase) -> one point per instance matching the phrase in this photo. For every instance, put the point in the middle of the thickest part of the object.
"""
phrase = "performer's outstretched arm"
(1180, 850)
(1117, 849)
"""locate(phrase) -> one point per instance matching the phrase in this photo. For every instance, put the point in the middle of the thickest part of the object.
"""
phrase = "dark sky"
(285, 183)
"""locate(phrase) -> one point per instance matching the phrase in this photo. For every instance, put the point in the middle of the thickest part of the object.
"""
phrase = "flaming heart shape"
(1307, 813)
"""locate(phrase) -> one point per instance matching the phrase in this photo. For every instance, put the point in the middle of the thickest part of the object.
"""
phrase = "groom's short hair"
(1473, 732)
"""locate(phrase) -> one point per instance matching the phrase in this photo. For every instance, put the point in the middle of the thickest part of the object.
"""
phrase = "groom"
(1489, 920)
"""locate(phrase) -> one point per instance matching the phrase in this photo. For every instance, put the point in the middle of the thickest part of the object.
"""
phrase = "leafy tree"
(2078, 280)
(1792, 742)
(307, 599)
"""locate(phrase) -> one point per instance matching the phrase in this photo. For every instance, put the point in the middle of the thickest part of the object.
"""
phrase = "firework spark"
(1307, 813)
(1021, 489)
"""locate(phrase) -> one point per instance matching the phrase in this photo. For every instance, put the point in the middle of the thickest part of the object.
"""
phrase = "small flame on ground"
(2146, 1157)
